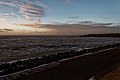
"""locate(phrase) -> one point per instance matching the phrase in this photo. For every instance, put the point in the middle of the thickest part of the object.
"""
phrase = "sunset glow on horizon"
(59, 17)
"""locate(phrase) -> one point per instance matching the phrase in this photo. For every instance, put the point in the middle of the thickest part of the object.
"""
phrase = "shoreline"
(90, 57)
(79, 68)
(45, 66)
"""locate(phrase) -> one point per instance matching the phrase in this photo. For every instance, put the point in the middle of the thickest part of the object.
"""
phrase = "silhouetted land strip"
(22, 36)
(77, 68)
(102, 35)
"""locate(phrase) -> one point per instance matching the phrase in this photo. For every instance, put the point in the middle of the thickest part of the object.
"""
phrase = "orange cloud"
(35, 25)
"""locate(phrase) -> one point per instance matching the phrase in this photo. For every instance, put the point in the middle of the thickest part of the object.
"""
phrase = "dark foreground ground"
(113, 75)
(81, 68)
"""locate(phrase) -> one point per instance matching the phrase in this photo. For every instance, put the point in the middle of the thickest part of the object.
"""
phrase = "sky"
(59, 17)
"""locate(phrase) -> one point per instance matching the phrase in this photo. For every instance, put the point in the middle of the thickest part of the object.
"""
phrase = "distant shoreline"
(85, 35)
(9, 36)
(102, 35)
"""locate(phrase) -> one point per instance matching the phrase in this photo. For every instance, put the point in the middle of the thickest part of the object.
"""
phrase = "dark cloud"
(90, 23)
(55, 22)
(86, 22)
(104, 24)
(93, 23)
(6, 30)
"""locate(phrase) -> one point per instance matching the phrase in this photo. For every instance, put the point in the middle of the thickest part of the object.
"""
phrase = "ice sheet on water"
(36, 44)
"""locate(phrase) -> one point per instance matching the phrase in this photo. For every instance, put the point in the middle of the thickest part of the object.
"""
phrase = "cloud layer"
(29, 9)
(79, 29)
